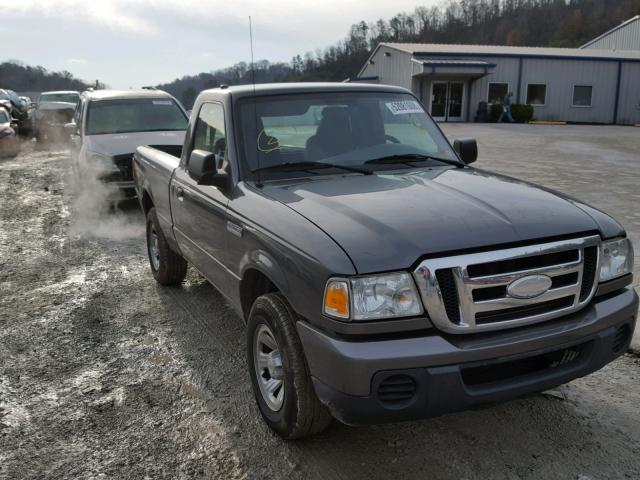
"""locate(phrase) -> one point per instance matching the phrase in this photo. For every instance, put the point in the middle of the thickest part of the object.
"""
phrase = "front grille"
(588, 271)
(449, 294)
(396, 390)
(525, 311)
(57, 117)
(520, 264)
(509, 287)
(125, 165)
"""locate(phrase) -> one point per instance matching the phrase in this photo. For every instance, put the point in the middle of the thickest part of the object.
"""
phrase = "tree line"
(544, 23)
(14, 75)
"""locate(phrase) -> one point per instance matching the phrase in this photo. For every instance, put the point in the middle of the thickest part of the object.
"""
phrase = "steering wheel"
(391, 138)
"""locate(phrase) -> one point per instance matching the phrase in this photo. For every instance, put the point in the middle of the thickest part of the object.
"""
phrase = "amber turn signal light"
(336, 299)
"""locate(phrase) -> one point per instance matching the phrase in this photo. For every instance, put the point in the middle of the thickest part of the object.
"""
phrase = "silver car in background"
(53, 110)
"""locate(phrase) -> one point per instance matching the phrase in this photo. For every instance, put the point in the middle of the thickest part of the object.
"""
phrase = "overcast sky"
(127, 43)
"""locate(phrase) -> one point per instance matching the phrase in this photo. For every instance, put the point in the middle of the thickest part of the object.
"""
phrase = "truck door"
(199, 211)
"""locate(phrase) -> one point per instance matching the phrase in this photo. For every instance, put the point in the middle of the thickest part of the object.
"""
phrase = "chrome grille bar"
(434, 297)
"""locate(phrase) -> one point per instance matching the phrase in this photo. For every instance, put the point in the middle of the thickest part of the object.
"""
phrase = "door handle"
(180, 193)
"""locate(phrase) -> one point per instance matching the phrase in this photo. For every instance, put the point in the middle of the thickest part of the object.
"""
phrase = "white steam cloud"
(94, 207)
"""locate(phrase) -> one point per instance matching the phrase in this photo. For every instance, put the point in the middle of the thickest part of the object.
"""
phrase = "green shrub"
(522, 113)
(495, 109)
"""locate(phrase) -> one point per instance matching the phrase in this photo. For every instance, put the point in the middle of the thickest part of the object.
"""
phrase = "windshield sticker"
(267, 143)
(161, 102)
(404, 108)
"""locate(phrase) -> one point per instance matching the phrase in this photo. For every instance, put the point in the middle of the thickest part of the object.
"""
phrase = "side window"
(497, 92)
(536, 94)
(210, 132)
(582, 95)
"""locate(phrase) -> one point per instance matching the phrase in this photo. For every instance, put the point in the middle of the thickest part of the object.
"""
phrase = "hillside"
(16, 76)
(547, 23)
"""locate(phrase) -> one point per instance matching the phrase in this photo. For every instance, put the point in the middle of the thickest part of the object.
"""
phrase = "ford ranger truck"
(380, 276)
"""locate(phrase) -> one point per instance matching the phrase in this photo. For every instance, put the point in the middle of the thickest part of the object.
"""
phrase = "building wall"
(506, 71)
(559, 75)
(629, 106)
(395, 69)
(625, 38)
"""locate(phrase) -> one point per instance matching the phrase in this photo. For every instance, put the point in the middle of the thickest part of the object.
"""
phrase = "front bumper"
(347, 375)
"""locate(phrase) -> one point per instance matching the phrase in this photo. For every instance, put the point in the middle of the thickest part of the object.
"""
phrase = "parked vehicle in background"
(52, 112)
(109, 125)
(380, 276)
(27, 124)
(19, 110)
(9, 143)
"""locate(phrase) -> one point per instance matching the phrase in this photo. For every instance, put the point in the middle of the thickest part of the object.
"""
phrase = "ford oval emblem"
(529, 287)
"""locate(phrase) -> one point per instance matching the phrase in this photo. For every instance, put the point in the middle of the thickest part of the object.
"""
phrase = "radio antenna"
(255, 108)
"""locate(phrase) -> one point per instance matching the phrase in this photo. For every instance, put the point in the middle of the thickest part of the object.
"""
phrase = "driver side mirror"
(204, 170)
(14, 124)
(467, 149)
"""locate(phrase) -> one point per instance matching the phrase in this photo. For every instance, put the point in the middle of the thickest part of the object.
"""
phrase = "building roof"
(118, 94)
(456, 63)
(435, 49)
(613, 30)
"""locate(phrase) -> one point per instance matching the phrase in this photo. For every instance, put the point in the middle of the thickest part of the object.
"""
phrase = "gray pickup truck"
(381, 278)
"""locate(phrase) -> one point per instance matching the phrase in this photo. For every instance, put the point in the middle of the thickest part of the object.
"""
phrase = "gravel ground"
(103, 374)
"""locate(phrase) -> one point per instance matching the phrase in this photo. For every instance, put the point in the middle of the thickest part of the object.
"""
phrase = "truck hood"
(121, 143)
(388, 221)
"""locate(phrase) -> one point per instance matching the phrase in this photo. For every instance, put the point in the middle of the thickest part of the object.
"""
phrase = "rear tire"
(167, 266)
(298, 413)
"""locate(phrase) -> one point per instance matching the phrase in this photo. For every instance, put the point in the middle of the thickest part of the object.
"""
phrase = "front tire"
(168, 267)
(279, 373)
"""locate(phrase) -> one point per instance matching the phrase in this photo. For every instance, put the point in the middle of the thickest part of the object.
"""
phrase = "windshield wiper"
(413, 157)
(292, 166)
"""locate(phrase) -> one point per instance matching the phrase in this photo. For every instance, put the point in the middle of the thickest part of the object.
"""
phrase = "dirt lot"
(103, 374)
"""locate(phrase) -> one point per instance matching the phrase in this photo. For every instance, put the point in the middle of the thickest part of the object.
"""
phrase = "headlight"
(616, 259)
(376, 297)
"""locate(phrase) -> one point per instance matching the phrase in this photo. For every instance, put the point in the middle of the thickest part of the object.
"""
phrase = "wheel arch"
(260, 273)
(146, 201)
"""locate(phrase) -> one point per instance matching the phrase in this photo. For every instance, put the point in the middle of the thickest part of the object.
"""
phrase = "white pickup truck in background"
(109, 125)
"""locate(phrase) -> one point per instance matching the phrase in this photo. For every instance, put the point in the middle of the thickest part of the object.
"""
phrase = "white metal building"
(575, 85)
(625, 36)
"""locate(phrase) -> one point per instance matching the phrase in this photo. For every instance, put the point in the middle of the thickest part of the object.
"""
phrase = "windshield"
(60, 97)
(134, 115)
(345, 128)
(4, 118)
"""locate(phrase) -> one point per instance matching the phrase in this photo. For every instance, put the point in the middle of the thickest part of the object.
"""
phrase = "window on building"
(582, 95)
(536, 94)
(497, 92)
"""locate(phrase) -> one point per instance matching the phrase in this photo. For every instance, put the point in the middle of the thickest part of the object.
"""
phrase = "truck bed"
(153, 168)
